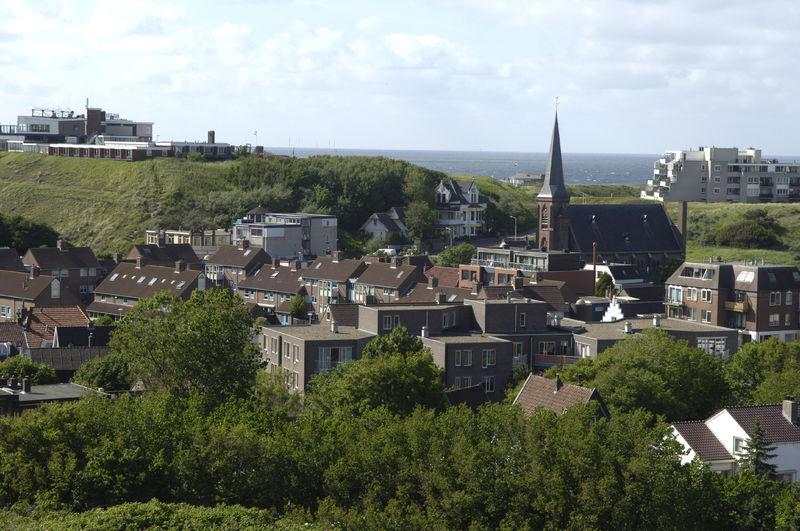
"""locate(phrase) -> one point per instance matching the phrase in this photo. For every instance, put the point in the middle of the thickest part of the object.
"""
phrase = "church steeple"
(553, 186)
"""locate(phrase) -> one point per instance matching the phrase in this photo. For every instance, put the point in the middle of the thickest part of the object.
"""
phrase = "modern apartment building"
(288, 235)
(760, 300)
(715, 174)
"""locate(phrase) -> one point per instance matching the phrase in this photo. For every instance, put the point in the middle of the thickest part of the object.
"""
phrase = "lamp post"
(450, 230)
(515, 225)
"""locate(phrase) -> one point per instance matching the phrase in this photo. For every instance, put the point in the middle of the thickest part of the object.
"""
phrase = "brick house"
(272, 288)
(20, 292)
(385, 281)
(164, 254)
(329, 280)
(76, 267)
(232, 264)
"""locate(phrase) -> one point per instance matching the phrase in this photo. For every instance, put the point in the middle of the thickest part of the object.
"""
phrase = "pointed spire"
(553, 186)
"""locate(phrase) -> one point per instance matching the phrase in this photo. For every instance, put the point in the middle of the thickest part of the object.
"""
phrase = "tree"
(764, 372)
(454, 255)
(603, 285)
(22, 234)
(398, 342)
(420, 219)
(657, 372)
(758, 453)
(111, 373)
(198, 346)
(299, 307)
(104, 320)
(20, 367)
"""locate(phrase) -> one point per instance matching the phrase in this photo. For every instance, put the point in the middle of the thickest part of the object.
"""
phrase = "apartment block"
(288, 235)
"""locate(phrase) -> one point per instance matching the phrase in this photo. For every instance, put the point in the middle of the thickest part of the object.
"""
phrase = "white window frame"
(705, 295)
(488, 358)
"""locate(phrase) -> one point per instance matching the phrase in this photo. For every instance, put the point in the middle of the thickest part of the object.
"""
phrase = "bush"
(20, 366)
(111, 373)
(455, 255)
(755, 229)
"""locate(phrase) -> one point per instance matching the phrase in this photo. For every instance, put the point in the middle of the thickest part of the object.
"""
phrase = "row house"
(10, 260)
(272, 290)
(383, 282)
(129, 283)
(164, 254)
(76, 267)
(232, 264)
(19, 292)
(760, 300)
(329, 280)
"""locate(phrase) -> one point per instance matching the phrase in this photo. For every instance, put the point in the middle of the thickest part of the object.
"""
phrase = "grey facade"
(289, 235)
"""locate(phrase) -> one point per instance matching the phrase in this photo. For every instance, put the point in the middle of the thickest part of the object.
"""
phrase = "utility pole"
(515, 225)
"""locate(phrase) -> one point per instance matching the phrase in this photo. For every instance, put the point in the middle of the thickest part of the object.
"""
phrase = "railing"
(550, 360)
(505, 265)
(737, 306)
(673, 302)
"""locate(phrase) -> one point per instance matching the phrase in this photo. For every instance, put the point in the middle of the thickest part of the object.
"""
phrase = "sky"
(631, 76)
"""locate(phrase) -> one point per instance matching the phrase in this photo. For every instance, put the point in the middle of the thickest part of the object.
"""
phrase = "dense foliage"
(21, 234)
(656, 372)
(20, 367)
(454, 255)
(110, 373)
(603, 284)
(754, 229)
(765, 372)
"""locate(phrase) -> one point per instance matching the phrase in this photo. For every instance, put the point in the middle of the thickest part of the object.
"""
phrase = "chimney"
(13, 382)
(559, 383)
(26, 385)
(91, 339)
(536, 277)
(656, 320)
(432, 282)
(424, 332)
(138, 262)
(334, 327)
(683, 224)
(336, 256)
(161, 238)
(244, 244)
(178, 266)
(34, 272)
(441, 298)
(116, 257)
(297, 265)
(627, 327)
(790, 412)
(517, 282)
(393, 262)
(211, 137)
(61, 244)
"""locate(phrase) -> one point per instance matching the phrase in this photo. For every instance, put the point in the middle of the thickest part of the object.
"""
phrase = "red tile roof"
(447, 277)
(539, 392)
(41, 322)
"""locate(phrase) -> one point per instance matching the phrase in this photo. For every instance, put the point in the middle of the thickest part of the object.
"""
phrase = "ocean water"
(579, 168)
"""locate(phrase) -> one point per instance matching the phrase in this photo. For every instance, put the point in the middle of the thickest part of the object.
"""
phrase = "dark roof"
(776, 427)
(459, 191)
(742, 277)
(398, 213)
(386, 221)
(109, 308)
(65, 358)
(126, 280)
(539, 392)
(556, 293)
(446, 276)
(622, 228)
(422, 261)
(10, 260)
(650, 292)
(344, 314)
(420, 292)
(553, 186)
(67, 257)
(78, 336)
(52, 393)
(257, 210)
(235, 256)
(472, 396)
(382, 274)
(16, 285)
(280, 280)
(326, 268)
(165, 255)
(702, 440)
(624, 272)
(11, 332)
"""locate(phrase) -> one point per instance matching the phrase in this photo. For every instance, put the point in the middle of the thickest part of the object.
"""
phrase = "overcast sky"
(633, 76)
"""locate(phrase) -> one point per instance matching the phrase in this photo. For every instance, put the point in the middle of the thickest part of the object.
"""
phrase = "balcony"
(553, 360)
(673, 302)
(737, 306)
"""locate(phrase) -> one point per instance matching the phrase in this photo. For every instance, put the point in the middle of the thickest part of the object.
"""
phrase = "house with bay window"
(460, 209)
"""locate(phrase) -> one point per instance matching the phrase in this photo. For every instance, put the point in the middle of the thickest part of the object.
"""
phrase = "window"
(745, 276)
(774, 319)
(6, 312)
(547, 347)
(489, 358)
(775, 298)
(466, 357)
(522, 320)
(705, 316)
(691, 294)
(675, 294)
(249, 294)
(488, 383)
(457, 382)
(690, 314)
(396, 321)
(716, 190)
(517, 360)
(387, 322)
(787, 319)
(445, 322)
(713, 345)
(788, 298)
(739, 444)
(84, 289)
(387, 291)
(705, 295)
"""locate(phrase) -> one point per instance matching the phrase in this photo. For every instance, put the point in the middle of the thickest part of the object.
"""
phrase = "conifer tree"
(759, 453)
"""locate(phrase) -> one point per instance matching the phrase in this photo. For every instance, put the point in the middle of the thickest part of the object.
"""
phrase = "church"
(636, 234)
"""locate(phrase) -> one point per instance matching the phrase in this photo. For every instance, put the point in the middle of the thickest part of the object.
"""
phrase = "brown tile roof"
(165, 255)
(556, 293)
(447, 277)
(16, 285)
(702, 440)
(420, 292)
(344, 314)
(126, 280)
(11, 332)
(327, 269)
(383, 275)
(10, 260)
(40, 323)
(776, 427)
(233, 256)
(540, 392)
(67, 257)
(279, 280)
(109, 308)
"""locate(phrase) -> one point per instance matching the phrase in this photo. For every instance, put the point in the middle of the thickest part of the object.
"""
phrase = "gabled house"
(460, 208)
(329, 280)
(21, 291)
(164, 254)
(129, 282)
(386, 224)
(272, 289)
(385, 282)
(41, 323)
(232, 264)
(10, 260)
(76, 267)
(556, 396)
(721, 440)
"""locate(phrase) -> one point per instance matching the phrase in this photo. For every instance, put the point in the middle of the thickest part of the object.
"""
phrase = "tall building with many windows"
(715, 174)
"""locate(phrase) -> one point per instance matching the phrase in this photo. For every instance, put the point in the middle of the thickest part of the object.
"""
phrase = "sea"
(579, 168)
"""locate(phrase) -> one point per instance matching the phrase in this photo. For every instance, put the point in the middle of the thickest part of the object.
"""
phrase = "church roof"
(553, 186)
(622, 228)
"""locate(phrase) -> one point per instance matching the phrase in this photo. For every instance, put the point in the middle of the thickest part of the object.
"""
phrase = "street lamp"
(515, 225)
(450, 230)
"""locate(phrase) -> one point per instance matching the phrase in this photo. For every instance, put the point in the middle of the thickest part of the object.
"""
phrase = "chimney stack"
(517, 283)
(559, 383)
(116, 257)
(336, 256)
(424, 332)
(91, 339)
(790, 410)
(441, 298)
(13, 383)
(244, 244)
(394, 262)
(34, 272)
(212, 137)
(138, 262)
(26, 384)
(432, 282)
(683, 224)
(334, 327)
(161, 238)
(656, 320)
(178, 266)
(61, 244)
(627, 327)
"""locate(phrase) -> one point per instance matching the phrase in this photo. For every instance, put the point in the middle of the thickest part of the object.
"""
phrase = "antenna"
(556, 103)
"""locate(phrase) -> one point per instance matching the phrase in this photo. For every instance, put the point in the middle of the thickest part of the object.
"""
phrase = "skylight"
(152, 281)
(451, 298)
(400, 274)
(247, 251)
(275, 274)
(180, 284)
(141, 279)
(745, 276)
(113, 277)
(319, 264)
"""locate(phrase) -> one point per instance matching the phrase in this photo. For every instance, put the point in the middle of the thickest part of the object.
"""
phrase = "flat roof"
(615, 330)
(50, 392)
(407, 307)
(319, 332)
(466, 338)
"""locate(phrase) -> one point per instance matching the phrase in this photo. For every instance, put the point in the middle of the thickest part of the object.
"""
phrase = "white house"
(720, 440)
(384, 224)
(460, 208)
